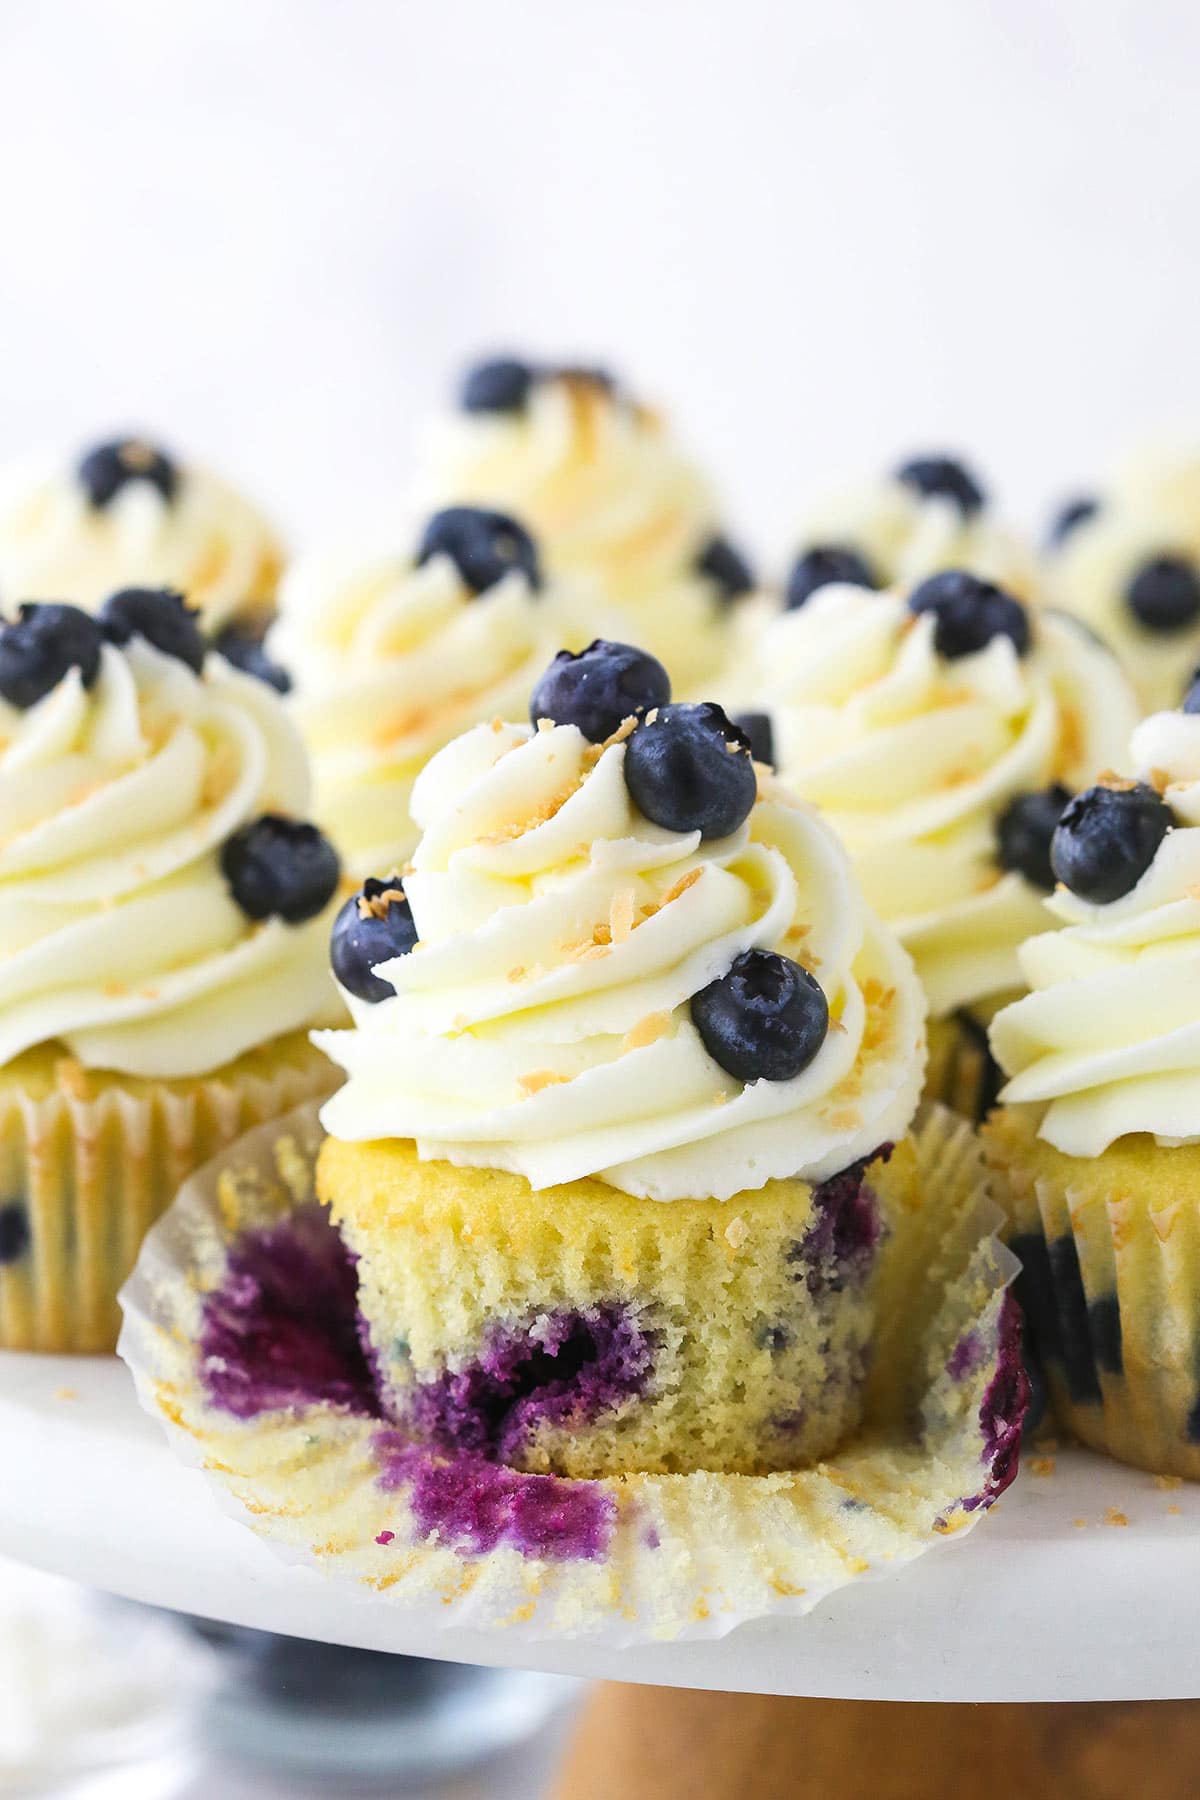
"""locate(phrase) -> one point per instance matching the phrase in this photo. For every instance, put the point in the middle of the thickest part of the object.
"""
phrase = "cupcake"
(627, 1046)
(128, 514)
(394, 656)
(931, 513)
(1128, 565)
(613, 500)
(162, 941)
(1096, 1142)
(942, 734)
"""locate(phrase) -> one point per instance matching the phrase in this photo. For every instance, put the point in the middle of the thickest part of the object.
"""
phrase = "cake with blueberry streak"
(1097, 1139)
(129, 513)
(393, 655)
(164, 913)
(628, 1052)
(942, 731)
(611, 496)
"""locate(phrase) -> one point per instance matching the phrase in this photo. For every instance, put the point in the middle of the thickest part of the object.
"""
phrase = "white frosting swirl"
(1109, 1038)
(207, 540)
(390, 662)
(913, 757)
(612, 500)
(905, 535)
(118, 933)
(543, 1025)
(1150, 510)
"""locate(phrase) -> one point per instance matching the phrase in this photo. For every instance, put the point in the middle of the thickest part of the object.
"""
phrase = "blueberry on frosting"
(39, 646)
(483, 546)
(597, 689)
(969, 613)
(161, 616)
(1024, 830)
(1164, 595)
(1107, 838)
(280, 868)
(688, 768)
(823, 565)
(241, 644)
(105, 471)
(759, 734)
(1069, 515)
(499, 385)
(943, 477)
(373, 926)
(763, 1021)
(727, 567)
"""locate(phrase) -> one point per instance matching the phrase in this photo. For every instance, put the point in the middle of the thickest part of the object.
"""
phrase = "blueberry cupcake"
(393, 656)
(628, 1051)
(1096, 1142)
(613, 500)
(162, 941)
(931, 513)
(1128, 564)
(127, 513)
(942, 733)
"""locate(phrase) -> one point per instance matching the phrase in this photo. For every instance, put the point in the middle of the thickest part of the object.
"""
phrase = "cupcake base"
(961, 1072)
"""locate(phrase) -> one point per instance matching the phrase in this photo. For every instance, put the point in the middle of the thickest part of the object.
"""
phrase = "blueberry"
(727, 567)
(969, 613)
(374, 926)
(599, 688)
(107, 469)
(500, 385)
(15, 1235)
(1164, 595)
(688, 768)
(40, 645)
(1191, 700)
(1024, 830)
(241, 643)
(943, 477)
(280, 868)
(1107, 839)
(823, 565)
(1069, 515)
(161, 616)
(763, 1021)
(757, 730)
(483, 546)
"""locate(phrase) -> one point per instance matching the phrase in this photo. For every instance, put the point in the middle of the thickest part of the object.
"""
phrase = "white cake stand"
(1081, 1585)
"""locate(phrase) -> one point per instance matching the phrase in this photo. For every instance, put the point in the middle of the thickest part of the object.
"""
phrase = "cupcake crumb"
(647, 1031)
(537, 1079)
(1168, 1483)
(1114, 1516)
(1175, 1509)
(70, 1393)
(1042, 1465)
(736, 1232)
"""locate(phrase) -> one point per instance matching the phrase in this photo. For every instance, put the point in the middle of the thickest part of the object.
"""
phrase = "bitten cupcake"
(1097, 1140)
(611, 497)
(1128, 565)
(162, 941)
(931, 513)
(942, 734)
(627, 1044)
(394, 656)
(127, 513)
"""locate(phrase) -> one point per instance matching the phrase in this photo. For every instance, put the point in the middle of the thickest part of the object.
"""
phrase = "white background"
(822, 231)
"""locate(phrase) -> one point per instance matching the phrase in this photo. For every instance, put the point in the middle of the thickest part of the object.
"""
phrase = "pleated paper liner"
(1110, 1286)
(88, 1162)
(621, 1560)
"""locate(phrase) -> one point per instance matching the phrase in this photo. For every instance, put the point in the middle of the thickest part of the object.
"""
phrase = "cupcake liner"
(1111, 1293)
(87, 1168)
(221, 1335)
(961, 1072)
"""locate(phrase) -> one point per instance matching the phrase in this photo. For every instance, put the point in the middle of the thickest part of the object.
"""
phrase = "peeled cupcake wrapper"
(83, 1177)
(621, 1560)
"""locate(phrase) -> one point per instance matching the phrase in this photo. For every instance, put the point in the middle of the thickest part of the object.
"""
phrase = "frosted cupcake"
(612, 498)
(394, 656)
(129, 514)
(1097, 1140)
(162, 941)
(1128, 565)
(627, 1042)
(942, 734)
(931, 514)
